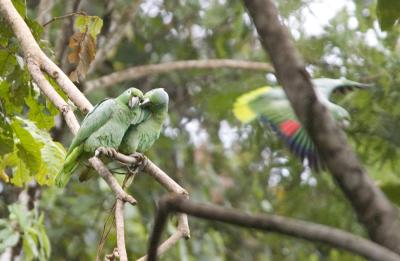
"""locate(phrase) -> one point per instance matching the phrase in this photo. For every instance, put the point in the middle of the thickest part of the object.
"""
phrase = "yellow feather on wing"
(242, 109)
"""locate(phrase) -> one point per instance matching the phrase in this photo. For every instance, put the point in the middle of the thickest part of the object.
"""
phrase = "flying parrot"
(140, 137)
(102, 128)
(272, 108)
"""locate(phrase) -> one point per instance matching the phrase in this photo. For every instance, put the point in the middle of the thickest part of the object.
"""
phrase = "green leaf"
(43, 238)
(8, 238)
(6, 136)
(19, 213)
(5, 33)
(391, 190)
(388, 12)
(19, 87)
(7, 62)
(38, 114)
(28, 147)
(52, 153)
(29, 246)
(36, 29)
(20, 6)
(20, 170)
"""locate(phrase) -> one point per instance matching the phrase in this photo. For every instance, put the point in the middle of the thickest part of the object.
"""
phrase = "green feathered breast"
(140, 137)
(104, 126)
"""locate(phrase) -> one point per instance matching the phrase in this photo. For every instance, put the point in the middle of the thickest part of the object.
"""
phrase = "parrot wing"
(96, 118)
(272, 108)
(329, 86)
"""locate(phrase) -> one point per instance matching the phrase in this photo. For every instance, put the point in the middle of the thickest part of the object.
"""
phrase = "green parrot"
(273, 109)
(140, 137)
(102, 130)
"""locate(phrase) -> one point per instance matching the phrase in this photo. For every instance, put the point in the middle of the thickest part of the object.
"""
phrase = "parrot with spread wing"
(271, 107)
(140, 137)
(102, 130)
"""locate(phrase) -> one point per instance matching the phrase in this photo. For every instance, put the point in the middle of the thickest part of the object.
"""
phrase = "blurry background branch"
(145, 70)
(374, 210)
(115, 33)
(270, 223)
(65, 33)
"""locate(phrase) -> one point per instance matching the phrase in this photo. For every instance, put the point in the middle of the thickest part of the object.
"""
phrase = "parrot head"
(131, 97)
(155, 99)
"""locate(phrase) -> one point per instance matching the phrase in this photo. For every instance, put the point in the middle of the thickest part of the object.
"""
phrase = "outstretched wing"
(96, 118)
(329, 86)
(273, 109)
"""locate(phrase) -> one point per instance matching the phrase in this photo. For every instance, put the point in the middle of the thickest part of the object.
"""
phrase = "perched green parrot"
(272, 108)
(140, 137)
(102, 128)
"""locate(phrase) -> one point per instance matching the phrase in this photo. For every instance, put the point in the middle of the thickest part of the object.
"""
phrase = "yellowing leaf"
(92, 24)
(20, 170)
(3, 176)
(83, 51)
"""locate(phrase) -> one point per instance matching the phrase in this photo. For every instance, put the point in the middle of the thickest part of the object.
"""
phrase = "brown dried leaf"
(83, 51)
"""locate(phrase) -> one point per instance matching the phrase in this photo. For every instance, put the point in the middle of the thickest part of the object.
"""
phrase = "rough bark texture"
(373, 209)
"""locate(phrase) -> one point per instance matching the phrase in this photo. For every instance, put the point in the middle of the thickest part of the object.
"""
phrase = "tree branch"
(145, 70)
(150, 168)
(270, 223)
(373, 209)
(119, 224)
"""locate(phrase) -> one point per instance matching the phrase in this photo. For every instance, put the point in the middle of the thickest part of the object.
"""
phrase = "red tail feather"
(289, 127)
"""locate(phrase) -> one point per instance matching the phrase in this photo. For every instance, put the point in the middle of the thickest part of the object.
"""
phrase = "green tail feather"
(70, 165)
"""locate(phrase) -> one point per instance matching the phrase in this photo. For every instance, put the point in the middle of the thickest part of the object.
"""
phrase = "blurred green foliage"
(203, 147)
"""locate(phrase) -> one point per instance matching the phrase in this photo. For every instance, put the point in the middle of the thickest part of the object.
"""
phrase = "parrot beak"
(145, 102)
(133, 102)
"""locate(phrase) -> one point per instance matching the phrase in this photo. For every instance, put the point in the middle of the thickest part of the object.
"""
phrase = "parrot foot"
(108, 151)
(139, 162)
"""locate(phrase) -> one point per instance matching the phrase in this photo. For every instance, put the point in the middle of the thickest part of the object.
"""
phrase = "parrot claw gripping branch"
(39, 65)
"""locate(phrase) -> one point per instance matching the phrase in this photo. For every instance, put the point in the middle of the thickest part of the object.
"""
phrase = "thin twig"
(145, 70)
(63, 17)
(119, 225)
(270, 223)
